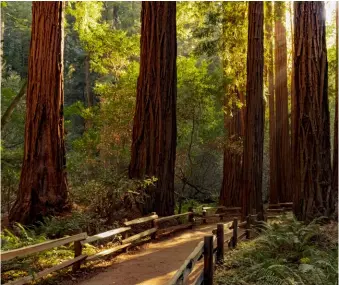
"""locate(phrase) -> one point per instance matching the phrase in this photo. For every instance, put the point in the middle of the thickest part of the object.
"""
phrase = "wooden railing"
(214, 253)
(128, 240)
(81, 239)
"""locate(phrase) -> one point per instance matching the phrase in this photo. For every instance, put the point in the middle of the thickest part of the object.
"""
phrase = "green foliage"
(286, 253)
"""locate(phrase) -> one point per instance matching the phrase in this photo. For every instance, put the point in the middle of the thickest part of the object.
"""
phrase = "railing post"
(235, 233)
(204, 214)
(220, 243)
(191, 216)
(208, 260)
(77, 252)
(125, 236)
(248, 227)
(154, 225)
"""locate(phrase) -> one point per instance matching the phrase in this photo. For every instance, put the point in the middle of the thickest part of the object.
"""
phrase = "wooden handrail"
(141, 220)
(105, 235)
(47, 271)
(140, 235)
(188, 263)
(35, 248)
(162, 219)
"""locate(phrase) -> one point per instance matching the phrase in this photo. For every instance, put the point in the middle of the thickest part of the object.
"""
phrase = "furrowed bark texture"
(274, 197)
(43, 184)
(312, 149)
(154, 129)
(254, 126)
(281, 106)
(230, 194)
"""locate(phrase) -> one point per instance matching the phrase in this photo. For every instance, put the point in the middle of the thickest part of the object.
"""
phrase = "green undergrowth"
(285, 253)
(52, 228)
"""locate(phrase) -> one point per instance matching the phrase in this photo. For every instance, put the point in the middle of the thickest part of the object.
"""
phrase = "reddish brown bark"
(312, 149)
(43, 183)
(154, 129)
(281, 106)
(230, 194)
(254, 126)
(274, 198)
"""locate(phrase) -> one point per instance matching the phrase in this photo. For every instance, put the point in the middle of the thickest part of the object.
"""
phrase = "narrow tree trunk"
(334, 204)
(88, 94)
(230, 194)
(43, 183)
(274, 197)
(14, 103)
(254, 126)
(281, 106)
(312, 148)
(154, 129)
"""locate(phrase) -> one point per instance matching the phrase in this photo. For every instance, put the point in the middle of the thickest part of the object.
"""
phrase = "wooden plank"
(47, 271)
(107, 252)
(188, 263)
(141, 220)
(162, 219)
(220, 242)
(275, 210)
(105, 235)
(140, 235)
(272, 217)
(286, 204)
(235, 233)
(242, 236)
(200, 279)
(10, 254)
(173, 229)
(208, 260)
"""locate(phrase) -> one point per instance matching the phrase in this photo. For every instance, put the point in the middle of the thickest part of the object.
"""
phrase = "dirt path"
(155, 263)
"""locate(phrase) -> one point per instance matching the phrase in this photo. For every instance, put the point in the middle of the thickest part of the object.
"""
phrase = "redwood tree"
(254, 121)
(230, 194)
(312, 149)
(282, 141)
(274, 198)
(154, 128)
(43, 183)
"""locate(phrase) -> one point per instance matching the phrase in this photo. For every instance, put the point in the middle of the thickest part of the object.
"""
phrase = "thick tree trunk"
(43, 183)
(281, 106)
(12, 106)
(274, 197)
(312, 148)
(230, 194)
(254, 126)
(334, 204)
(154, 129)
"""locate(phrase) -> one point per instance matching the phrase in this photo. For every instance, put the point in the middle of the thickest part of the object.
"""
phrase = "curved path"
(155, 263)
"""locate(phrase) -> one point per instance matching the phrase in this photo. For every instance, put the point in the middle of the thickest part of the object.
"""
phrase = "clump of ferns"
(288, 253)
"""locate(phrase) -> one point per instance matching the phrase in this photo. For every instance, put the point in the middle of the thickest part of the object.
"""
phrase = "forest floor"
(153, 263)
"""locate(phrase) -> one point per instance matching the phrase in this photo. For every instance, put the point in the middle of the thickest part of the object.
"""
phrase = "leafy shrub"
(286, 253)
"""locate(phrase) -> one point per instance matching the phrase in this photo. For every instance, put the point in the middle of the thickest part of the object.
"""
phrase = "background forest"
(100, 75)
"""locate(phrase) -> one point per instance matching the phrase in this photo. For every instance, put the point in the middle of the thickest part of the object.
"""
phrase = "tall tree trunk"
(2, 20)
(312, 148)
(254, 126)
(43, 182)
(154, 129)
(293, 97)
(230, 195)
(334, 204)
(281, 106)
(88, 94)
(274, 197)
